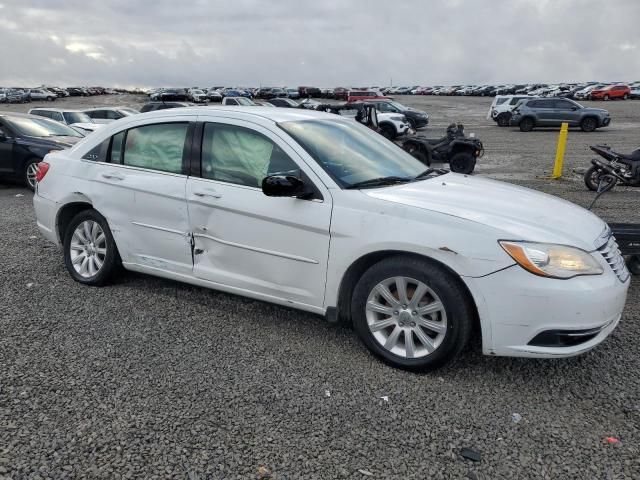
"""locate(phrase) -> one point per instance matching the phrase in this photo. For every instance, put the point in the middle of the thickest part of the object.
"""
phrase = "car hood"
(413, 110)
(518, 213)
(595, 110)
(50, 142)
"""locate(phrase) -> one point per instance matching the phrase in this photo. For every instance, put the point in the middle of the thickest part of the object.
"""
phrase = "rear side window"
(156, 147)
(96, 114)
(242, 156)
(500, 101)
(42, 113)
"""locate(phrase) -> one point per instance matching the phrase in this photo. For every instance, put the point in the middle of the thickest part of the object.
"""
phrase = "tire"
(625, 96)
(605, 98)
(418, 153)
(462, 162)
(504, 119)
(388, 131)
(412, 124)
(50, 99)
(98, 256)
(526, 124)
(29, 174)
(592, 179)
(588, 124)
(633, 264)
(430, 339)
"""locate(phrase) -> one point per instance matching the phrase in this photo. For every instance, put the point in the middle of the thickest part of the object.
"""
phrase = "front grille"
(614, 258)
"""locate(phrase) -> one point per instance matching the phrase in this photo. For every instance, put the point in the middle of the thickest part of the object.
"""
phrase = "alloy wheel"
(32, 171)
(406, 317)
(88, 248)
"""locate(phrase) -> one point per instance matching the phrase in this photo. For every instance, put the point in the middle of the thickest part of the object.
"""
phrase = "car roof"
(61, 110)
(18, 114)
(273, 114)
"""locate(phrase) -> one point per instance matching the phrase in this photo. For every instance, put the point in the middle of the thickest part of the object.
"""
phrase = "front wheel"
(504, 119)
(606, 98)
(411, 313)
(595, 178)
(588, 124)
(625, 96)
(462, 162)
(90, 253)
(30, 172)
(388, 131)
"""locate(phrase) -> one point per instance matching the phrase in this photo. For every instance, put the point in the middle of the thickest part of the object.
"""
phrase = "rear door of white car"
(140, 189)
(275, 247)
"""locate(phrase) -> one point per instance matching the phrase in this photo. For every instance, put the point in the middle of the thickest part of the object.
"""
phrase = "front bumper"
(605, 121)
(518, 308)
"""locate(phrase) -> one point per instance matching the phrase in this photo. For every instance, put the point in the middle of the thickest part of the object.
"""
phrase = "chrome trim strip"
(259, 250)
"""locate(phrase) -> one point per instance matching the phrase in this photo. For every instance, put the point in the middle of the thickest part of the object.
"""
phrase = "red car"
(611, 92)
(359, 95)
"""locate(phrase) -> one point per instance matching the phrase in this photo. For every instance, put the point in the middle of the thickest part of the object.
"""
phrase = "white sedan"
(314, 211)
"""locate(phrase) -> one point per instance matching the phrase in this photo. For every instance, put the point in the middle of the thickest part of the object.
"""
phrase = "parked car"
(76, 119)
(550, 112)
(77, 92)
(635, 93)
(585, 93)
(611, 92)
(415, 118)
(25, 140)
(214, 95)
(316, 212)
(359, 95)
(283, 103)
(500, 110)
(153, 106)
(12, 95)
(41, 94)
(109, 114)
(309, 92)
(292, 93)
(197, 95)
(239, 101)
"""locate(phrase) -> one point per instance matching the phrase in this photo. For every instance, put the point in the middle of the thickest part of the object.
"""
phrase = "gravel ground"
(153, 379)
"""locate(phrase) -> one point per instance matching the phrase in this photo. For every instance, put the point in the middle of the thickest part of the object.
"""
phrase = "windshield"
(41, 127)
(128, 111)
(76, 117)
(197, 92)
(244, 101)
(399, 106)
(351, 153)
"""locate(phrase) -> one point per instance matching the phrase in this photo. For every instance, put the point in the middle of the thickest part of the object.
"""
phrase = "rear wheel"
(625, 96)
(90, 253)
(411, 313)
(595, 178)
(606, 98)
(30, 171)
(588, 124)
(526, 124)
(462, 162)
(418, 153)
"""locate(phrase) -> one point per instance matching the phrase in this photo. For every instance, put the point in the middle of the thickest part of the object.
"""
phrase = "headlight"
(554, 261)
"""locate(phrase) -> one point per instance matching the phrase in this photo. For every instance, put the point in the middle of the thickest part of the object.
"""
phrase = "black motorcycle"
(459, 151)
(616, 168)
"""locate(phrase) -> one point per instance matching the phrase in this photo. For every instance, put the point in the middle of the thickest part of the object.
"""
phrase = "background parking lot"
(154, 379)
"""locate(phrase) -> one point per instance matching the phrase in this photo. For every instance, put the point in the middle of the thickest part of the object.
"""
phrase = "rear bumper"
(46, 214)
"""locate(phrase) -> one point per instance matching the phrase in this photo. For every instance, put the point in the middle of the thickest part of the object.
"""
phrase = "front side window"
(156, 147)
(239, 155)
(350, 152)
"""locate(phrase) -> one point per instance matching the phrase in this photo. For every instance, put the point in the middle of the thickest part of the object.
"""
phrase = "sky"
(325, 43)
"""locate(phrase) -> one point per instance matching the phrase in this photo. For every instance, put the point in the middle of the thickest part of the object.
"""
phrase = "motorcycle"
(616, 168)
(459, 151)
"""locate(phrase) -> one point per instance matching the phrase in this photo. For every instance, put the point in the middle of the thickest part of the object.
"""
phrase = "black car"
(25, 140)
(415, 118)
(77, 92)
(174, 95)
(283, 102)
(152, 106)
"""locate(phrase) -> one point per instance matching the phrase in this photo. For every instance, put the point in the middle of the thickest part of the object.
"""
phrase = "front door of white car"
(141, 190)
(272, 246)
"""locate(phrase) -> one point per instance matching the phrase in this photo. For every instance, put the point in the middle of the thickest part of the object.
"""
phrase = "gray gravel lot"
(149, 378)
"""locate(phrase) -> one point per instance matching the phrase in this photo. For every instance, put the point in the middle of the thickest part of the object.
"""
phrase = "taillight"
(43, 168)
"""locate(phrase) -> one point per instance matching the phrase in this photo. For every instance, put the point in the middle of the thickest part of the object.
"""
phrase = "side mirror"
(284, 186)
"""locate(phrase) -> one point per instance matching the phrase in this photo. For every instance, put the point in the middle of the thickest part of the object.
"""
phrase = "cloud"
(328, 43)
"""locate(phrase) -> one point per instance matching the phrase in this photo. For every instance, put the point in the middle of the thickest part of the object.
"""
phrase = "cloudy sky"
(316, 42)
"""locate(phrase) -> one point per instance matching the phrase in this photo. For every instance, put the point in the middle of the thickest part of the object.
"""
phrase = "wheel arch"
(355, 271)
(66, 214)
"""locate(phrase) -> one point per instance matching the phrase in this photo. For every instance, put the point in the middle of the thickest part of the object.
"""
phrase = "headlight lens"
(554, 261)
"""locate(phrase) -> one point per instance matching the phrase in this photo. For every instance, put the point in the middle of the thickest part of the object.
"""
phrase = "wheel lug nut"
(413, 324)
(395, 312)
(414, 313)
(404, 306)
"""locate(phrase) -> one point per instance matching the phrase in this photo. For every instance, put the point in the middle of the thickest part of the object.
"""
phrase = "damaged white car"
(317, 212)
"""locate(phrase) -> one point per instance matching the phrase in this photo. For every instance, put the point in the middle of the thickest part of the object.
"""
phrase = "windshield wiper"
(375, 182)
(430, 172)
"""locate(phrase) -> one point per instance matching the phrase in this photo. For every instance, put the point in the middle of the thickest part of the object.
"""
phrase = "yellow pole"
(562, 143)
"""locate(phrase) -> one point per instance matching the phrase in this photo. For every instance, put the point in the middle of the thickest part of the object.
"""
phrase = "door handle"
(207, 194)
(113, 176)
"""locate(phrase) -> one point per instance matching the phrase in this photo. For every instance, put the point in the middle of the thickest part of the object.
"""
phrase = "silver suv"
(552, 112)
